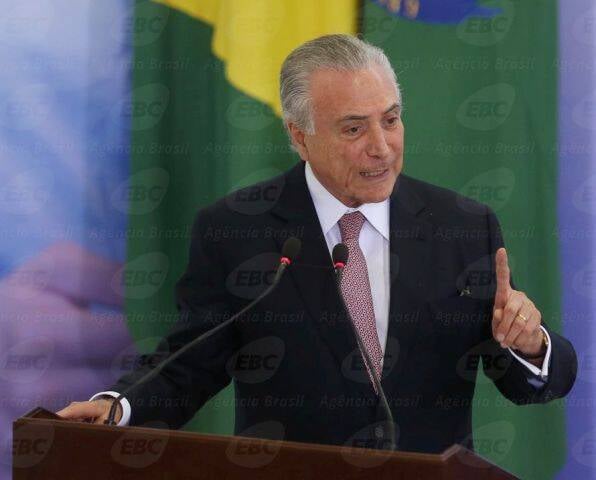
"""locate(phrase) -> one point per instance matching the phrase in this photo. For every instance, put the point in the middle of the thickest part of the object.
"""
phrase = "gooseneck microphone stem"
(289, 251)
(338, 267)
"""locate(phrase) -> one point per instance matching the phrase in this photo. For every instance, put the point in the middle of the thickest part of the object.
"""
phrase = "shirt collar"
(330, 209)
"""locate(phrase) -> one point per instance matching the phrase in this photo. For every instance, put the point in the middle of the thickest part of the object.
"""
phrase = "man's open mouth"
(374, 173)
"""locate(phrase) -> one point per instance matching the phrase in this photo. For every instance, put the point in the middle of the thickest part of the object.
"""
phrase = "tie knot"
(350, 225)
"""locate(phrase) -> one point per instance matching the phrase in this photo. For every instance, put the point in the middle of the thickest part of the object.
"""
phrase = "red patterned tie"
(355, 287)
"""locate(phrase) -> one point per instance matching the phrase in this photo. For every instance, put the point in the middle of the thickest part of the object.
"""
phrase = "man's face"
(357, 149)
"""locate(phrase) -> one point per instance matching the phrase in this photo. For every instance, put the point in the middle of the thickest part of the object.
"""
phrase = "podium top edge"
(40, 416)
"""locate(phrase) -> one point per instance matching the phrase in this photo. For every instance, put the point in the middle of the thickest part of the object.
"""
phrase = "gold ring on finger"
(522, 317)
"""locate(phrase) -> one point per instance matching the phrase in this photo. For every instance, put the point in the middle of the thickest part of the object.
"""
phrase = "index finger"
(503, 278)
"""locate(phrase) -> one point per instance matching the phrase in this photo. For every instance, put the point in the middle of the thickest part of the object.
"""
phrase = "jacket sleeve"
(511, 376)
(182, 387)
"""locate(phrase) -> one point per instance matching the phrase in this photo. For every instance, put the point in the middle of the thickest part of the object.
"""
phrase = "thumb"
(503, 275)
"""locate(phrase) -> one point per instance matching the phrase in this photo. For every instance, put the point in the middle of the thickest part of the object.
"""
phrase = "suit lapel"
(409, 245)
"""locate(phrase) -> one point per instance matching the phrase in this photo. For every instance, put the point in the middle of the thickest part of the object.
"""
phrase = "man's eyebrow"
(395, 106)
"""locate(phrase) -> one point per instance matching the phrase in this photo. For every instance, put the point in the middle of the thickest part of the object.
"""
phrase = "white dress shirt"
(374, 243)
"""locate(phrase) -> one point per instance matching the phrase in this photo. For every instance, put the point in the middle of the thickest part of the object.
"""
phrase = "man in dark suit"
(427, 286)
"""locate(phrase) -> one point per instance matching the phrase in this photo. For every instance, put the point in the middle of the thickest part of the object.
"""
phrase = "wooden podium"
(46, 447)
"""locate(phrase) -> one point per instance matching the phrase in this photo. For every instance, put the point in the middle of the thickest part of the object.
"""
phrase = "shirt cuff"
(124, 421)
(539, 372)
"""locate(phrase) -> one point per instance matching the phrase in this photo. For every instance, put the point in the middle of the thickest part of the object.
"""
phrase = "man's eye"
(392, 120)
(353, 130)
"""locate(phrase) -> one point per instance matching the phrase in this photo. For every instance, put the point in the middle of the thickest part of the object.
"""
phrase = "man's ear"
(298, 137)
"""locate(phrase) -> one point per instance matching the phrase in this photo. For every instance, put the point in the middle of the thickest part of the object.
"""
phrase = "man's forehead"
(361, 92)
(346, 90)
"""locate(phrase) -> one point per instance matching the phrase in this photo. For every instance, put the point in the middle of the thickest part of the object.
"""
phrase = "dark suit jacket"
(293, 359)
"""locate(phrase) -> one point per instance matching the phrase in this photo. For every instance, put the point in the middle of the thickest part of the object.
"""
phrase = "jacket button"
(379, 432)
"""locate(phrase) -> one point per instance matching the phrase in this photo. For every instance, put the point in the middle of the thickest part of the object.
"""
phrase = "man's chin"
(379, 194)
(375, 197)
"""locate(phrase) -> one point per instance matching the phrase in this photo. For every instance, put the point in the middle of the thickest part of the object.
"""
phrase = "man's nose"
(377, 143)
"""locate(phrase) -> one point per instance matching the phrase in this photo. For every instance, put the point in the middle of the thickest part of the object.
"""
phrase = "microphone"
(340, 260)
(289, 252)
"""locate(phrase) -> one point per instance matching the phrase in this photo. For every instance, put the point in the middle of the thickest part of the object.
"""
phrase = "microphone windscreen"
(291, 248)
(340, 254)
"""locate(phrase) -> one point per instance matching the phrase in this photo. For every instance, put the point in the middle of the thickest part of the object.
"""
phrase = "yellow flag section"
(252, 37)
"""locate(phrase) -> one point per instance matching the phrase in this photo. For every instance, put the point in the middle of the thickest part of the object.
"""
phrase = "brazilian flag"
(479, 84)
